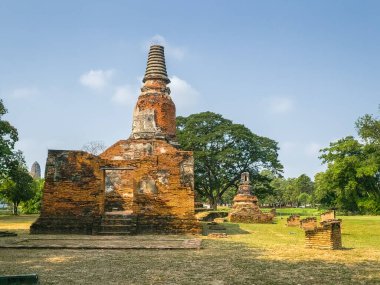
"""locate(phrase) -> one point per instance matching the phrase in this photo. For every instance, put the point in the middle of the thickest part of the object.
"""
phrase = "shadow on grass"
(228, 228)
(219, 262)
(347, 248)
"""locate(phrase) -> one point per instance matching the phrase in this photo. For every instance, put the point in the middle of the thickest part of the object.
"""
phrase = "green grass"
(297, 211)
(252, 254)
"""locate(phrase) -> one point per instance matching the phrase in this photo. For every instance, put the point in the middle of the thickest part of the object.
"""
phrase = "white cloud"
(281, 105)
(288, 146)
(170, 50)
(183, 94)
(22, 93)
(312, 149)
(125, 95)
(96, 79)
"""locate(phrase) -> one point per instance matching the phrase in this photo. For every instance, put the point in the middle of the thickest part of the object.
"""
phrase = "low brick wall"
(167, 225)
(327, 216)
(328, 236)
(73, 196)
(293, 221)
(309, 223)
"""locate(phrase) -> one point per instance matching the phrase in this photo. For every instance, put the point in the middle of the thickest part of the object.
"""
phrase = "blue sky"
(299, 72)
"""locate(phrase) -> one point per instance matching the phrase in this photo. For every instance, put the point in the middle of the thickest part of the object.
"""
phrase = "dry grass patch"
(252, 254)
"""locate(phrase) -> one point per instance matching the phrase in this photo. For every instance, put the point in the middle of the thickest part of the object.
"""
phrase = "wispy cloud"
(281, 105)
(312, 149)
(23, 93)
(125, 95)
(288, 146)
(175, 52)
(184, 95)
(96, 79)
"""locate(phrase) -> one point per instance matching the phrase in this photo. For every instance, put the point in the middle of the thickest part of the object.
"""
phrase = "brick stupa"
(138, 185)
(245, 208)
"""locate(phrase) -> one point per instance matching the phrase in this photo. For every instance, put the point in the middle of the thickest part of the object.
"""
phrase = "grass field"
(252, 254)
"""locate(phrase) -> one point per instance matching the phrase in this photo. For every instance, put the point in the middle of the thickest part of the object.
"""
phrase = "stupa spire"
(154, 115)
(156, 67)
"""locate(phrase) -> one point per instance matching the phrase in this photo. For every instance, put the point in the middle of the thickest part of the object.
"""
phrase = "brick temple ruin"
(143, 184)
(245, 207)
(326, 234)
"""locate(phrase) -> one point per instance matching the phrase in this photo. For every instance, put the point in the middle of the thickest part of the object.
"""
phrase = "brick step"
(118, 221)
(118, 216)
(117, 228)
(116, 233)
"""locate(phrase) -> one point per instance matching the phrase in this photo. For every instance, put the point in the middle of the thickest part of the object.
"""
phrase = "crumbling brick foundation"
(293, 221)
(309, 223)
(327, 236)
(328, 216)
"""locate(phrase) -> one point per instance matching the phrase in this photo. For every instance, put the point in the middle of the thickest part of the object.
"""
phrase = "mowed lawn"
(252, 254)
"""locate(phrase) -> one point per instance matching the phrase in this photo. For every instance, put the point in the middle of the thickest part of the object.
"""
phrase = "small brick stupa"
(245, 208)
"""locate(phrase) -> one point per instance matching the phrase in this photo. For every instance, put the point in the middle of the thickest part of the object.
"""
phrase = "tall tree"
(33, 206)
(18, 185)
(352, 179)
(222, 151)
(8, 138)
(304, 184)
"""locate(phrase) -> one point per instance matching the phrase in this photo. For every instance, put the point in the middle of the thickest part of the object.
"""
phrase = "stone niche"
(245, 207)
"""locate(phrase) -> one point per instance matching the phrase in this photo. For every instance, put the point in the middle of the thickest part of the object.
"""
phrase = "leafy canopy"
(18, 185)
(352, 179)
(8, 138)
(222, 151)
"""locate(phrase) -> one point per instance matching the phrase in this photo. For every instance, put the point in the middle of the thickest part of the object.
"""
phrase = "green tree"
(222, 151)
(369, 129)
(352, 179)
(286, 192)
(8, 138)
(278, 185)
(304, 198)
(33, 206)
(18, 185)
(304, 184)
(262, 187)
(324, 192)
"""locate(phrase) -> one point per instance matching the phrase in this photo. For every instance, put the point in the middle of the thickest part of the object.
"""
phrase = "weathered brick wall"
(309, 223)
(293, 221)
(163, 178)
(73, 195)
(328, 236)
(329, 215)
(159, 111)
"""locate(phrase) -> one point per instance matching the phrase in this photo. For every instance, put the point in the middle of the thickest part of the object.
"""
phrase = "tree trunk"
(213, 203)
(15, 212)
